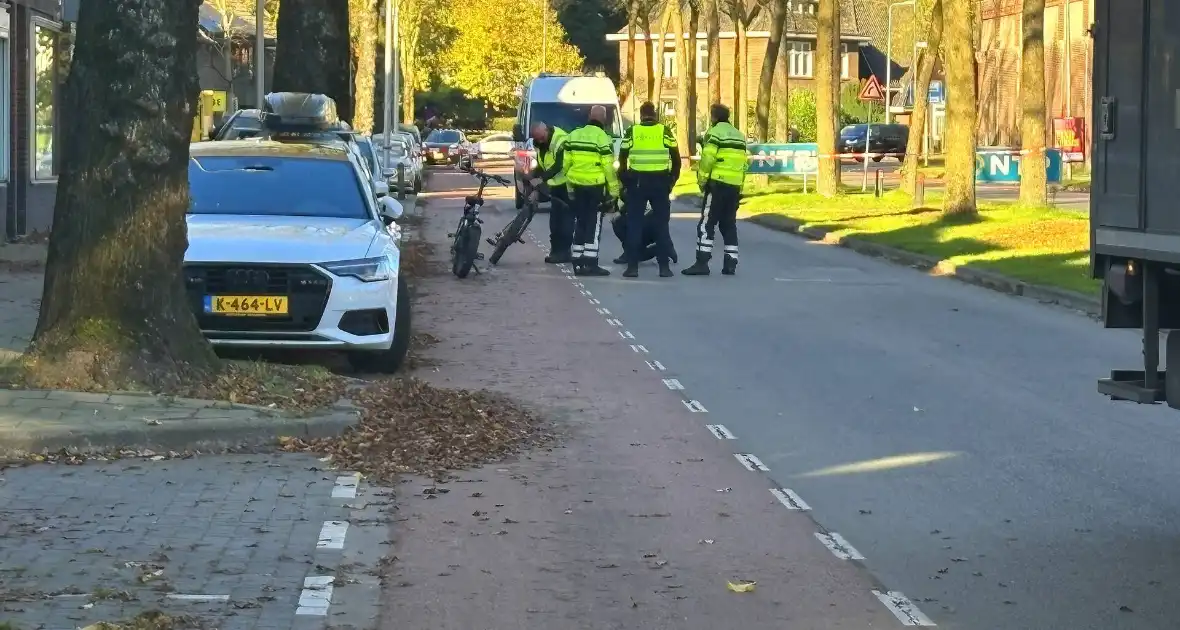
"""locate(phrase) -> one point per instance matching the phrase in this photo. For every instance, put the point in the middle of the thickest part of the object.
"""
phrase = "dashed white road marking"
(838, 546)
(673, 384)
(316, 595)
(614, 322)
(788, 498)
(603, 311)
(720, 432)
(638, 348)
(345, 487)
(695, 406)
(594, 301)
(332, 535)
(902, 608)
(626, 334)
(585, 293)
(655, 365)
(751, 462)
(197, 598)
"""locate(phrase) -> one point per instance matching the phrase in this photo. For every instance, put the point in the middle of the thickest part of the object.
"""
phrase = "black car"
(444, 146)
(242, 124)
(883, 140)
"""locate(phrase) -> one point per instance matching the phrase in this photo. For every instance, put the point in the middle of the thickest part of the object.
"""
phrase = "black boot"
(590, 268)
(700, 267)
(729, 265)
(632, 271)
(557, 257)
(665, 270)
(621, 260)
(675, 260)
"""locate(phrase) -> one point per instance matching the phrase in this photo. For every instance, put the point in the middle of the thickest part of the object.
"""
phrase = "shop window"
(45, 81)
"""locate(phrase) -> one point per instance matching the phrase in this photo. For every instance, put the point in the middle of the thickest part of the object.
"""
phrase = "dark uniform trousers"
(561, 220)
(720, 215)
(654, 189)
(586, 202)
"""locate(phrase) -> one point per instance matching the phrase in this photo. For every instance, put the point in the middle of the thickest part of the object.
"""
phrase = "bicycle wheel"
(466, 247)
(512, 232)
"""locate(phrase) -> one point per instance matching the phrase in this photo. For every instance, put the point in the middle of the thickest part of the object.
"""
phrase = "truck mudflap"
(1133, 385)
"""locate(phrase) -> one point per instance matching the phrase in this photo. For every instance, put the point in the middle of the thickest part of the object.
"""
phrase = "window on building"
(45, 79)
(802, 55)
(5, 96)
(702, 59)
(845, 61)
(669, 63)
(669, 107)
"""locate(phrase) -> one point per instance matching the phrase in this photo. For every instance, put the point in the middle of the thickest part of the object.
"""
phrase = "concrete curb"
(50, 421)
(987, 279)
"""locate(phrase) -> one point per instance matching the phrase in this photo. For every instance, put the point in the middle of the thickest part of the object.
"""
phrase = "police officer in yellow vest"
(720, 175)
(650, 163)
(548, 140)
(588, 162)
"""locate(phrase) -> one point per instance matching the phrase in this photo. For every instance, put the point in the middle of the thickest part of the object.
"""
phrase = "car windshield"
(498, 138)
(440, 135)
(275, 186)
(570, 116)
(852, 130)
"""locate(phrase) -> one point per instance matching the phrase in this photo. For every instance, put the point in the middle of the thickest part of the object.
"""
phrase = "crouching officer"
(720, 175)
(650, 162)
(650, 246)
(547, 140)
(587, 158)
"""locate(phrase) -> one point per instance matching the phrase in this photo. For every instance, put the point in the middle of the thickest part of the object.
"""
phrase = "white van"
(563, 101)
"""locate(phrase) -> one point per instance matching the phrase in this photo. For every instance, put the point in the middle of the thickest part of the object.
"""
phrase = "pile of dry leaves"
(410, 426)
(290, 387)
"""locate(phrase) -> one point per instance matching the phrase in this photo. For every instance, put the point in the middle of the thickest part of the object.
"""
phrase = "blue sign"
(796, 158)
(936, 93)
(1003, 166)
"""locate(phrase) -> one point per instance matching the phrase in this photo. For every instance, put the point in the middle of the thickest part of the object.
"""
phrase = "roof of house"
(242, 14)
(857, 19)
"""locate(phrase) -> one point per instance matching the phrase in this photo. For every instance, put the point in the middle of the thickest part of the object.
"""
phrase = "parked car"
(364, 145)
(244, 123)
(444, 146)
(883, 139)
(400, 154)
(495, 145)
(286, 249)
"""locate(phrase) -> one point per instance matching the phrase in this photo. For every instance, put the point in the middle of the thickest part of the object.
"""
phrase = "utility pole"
(387, 110)
(544, 34)
(260, 51)
(397, 66)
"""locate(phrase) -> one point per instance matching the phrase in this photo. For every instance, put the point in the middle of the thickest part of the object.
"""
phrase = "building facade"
(1069, 59)
(656, 54)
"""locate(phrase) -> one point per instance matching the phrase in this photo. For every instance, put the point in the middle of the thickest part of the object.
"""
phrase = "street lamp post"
(396, 110)
(260, 51)
(889, 55)
(387, 109)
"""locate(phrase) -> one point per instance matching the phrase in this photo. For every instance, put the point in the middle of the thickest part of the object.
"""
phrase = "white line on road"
(838, 546)
(614, 322)
(639, 348)
(585, 293)
(332, 535)
(673, 384)
(721, 432)
(316, 595)
(655, 365)
(695, 406)
(751, 462)
(345, 487)
(788, 498)
(603, 311)
(594, 301)
(802, 279)
(902, 608)
(626, 334)
(197, 598)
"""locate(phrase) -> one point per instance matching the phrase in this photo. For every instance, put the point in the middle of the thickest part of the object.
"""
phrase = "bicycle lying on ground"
(465, 246)
(514, 231)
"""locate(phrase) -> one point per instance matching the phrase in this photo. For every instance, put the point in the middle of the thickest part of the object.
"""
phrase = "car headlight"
(363, 269)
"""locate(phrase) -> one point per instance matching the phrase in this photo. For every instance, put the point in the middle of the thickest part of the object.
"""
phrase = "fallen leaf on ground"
(741, 586)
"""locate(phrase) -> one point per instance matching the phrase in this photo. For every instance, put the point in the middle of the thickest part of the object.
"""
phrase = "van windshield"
(570, 116)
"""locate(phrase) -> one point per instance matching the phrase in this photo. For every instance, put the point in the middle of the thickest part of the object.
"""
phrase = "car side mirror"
(517, 133)
(381, 189)
(390, 209)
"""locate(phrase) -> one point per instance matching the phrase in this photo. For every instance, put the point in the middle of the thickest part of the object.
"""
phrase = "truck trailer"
(1135, 188)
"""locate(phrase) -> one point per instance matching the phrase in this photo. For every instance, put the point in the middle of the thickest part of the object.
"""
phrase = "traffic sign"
(936, 93)
(872, 90)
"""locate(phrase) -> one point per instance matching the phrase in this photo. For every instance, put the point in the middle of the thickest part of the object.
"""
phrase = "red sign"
(872, 90)
(1069, 135)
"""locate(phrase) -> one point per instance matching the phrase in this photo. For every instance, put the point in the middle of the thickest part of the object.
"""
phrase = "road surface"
(951, 435)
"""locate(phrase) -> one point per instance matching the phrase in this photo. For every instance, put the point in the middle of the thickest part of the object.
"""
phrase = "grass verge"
(1037, 245)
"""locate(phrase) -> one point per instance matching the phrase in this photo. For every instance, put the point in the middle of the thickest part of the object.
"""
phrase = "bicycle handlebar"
(486, 177)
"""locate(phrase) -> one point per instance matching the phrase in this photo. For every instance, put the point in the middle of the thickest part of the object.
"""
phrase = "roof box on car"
(297, 111)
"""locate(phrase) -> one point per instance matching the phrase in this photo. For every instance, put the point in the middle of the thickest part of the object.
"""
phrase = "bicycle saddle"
(473, 200)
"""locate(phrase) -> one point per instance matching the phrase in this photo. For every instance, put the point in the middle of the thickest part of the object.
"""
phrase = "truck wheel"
(1172, 369)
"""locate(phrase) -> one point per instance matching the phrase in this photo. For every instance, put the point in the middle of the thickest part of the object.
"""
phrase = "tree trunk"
(362, 20)
(827, 86)
(960, 108)
(713, 21)
(650, 55)
(781, 100)
(313, 53)
(917, 135)
(741, 115)
(694, 21)
(666, 22)
(114, 311)
(1033, 179)
(683, 80)
(778, 19)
